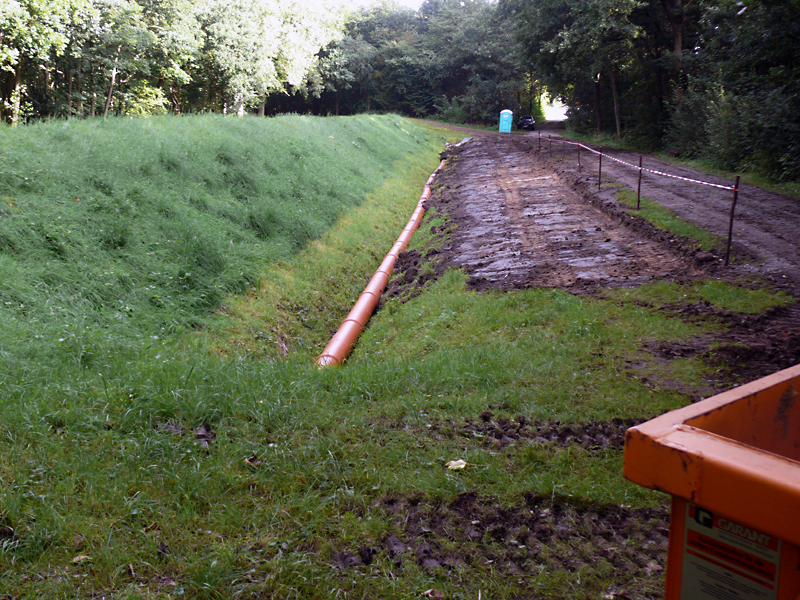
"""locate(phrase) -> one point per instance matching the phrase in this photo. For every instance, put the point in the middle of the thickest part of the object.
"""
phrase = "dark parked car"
(527, 123)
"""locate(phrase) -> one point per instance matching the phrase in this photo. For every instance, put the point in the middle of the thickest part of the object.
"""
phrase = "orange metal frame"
(736, 454)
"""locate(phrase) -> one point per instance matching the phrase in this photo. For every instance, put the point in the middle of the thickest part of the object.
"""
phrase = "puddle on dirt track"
(520, 225)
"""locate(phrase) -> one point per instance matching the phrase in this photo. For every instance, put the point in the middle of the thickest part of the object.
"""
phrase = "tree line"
(84, 58)
(713, 78)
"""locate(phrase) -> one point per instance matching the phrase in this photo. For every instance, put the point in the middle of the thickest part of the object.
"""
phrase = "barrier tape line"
(708, 183)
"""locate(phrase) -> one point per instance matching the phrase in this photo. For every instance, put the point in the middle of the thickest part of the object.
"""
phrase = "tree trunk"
(110, 92)
(69, 93)
(263, 108)
(676, 12)
(176, 99)
(616, 102)
(79, 87)
(111, 87)
(531, 88)
(16, 95)
(5, 93)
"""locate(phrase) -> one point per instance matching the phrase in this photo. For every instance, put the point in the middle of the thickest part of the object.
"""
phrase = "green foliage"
(686, 135)
(146, 101)
(74, 55)
(752, 95)
(716, 79)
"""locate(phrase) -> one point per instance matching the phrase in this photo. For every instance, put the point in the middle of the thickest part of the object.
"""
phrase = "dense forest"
(712, 78)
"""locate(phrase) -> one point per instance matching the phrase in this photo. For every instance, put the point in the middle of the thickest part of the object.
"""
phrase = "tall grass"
(113, 234)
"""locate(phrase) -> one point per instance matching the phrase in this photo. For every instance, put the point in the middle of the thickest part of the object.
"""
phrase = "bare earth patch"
(616, 551)
(520, 218)
(520, 225)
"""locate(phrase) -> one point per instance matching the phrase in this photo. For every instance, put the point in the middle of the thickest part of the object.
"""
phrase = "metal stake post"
(639, 188)
(730, 224)
(599, 169)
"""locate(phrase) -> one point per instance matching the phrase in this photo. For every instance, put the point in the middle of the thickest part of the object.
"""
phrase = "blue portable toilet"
(506, 117)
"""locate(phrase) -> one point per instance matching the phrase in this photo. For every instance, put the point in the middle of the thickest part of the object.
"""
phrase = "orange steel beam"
(345, 338)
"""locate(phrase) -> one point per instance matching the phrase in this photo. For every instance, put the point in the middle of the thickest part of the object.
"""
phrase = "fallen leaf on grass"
(653, 567)
(455, 465)
(81, 558)
(253, 461)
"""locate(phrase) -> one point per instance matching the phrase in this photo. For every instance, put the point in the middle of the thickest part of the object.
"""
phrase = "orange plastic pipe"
(345, 337)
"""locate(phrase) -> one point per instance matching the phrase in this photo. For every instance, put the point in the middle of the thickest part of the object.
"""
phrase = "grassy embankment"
(154, 440)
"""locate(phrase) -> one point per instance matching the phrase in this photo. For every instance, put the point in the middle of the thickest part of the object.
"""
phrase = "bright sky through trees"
(356, 4)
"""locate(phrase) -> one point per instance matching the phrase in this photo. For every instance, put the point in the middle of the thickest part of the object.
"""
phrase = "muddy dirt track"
(497, 175)
(526, 218)
(521, 225)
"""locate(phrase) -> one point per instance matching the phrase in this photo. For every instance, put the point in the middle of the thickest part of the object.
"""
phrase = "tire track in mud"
(522, 226)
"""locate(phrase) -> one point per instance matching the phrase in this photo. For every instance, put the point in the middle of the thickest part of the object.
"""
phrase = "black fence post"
(639, 188)
(730, 224)
(599, 169)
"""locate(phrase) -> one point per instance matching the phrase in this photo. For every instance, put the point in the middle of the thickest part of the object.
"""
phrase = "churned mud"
(520, 225)
(765, 227)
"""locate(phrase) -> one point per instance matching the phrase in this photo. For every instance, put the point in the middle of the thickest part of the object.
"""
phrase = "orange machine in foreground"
(732, 466)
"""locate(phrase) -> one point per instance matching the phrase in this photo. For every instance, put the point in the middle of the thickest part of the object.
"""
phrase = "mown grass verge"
(205, 464)
(113, 233)
(666, 220)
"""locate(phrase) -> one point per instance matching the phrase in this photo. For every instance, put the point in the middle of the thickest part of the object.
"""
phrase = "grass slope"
(167, 452)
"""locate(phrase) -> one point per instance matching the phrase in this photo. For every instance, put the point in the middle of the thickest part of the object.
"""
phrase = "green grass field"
(164, 433)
